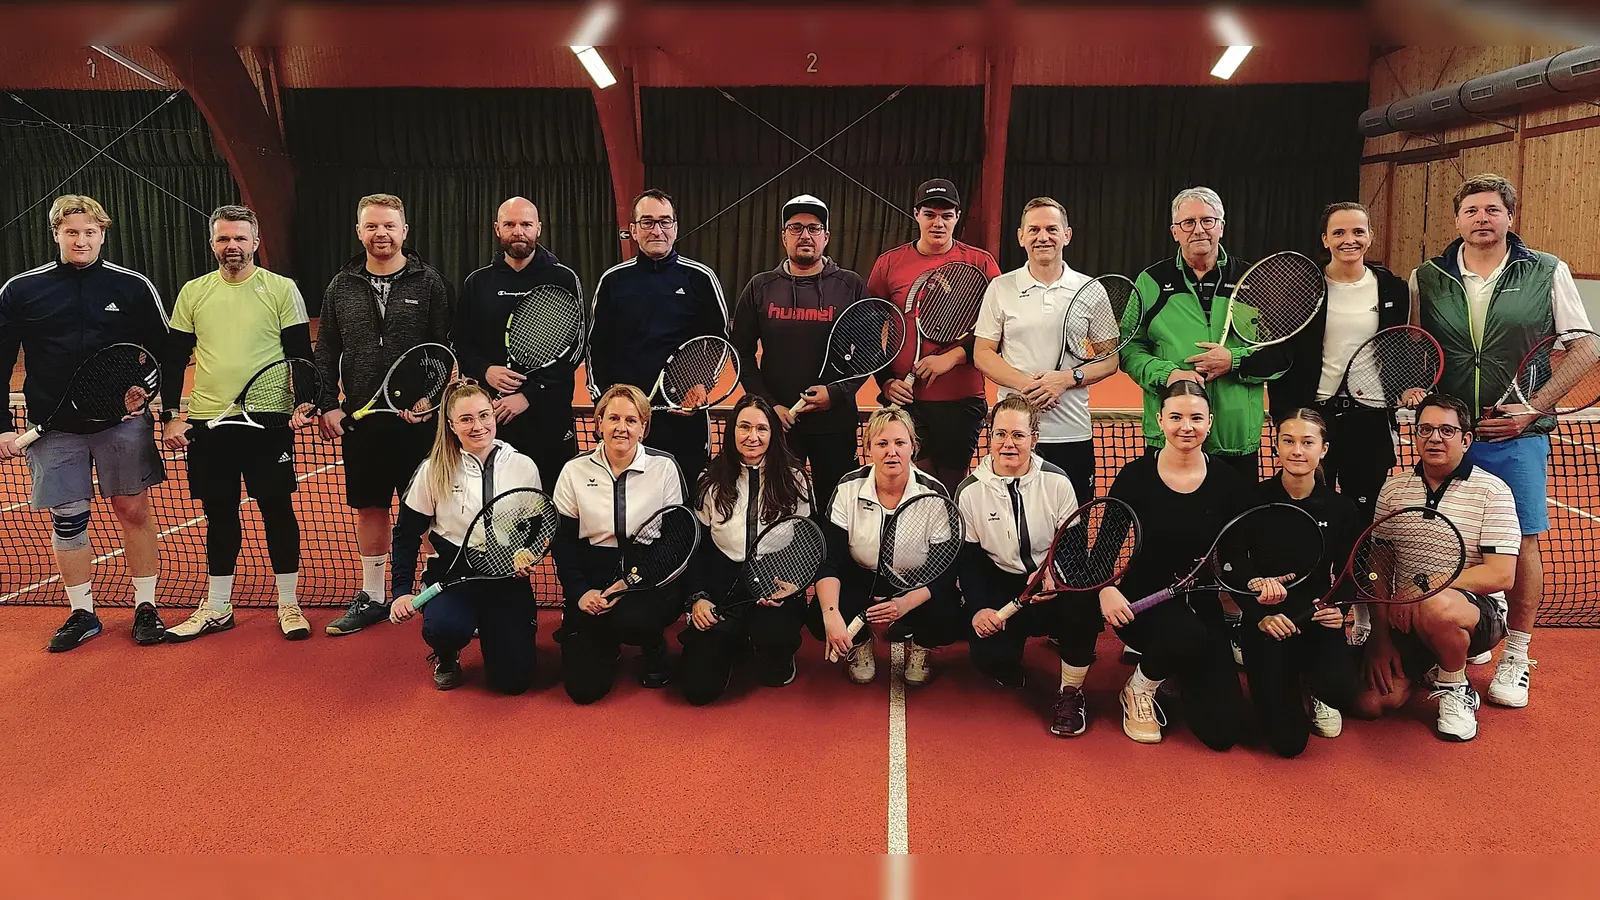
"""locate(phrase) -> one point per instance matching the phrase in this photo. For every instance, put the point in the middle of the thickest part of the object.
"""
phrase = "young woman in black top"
(1283, 662)
(1183, 498)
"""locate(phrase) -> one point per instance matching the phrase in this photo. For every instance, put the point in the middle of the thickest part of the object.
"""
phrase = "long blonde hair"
(445, 456)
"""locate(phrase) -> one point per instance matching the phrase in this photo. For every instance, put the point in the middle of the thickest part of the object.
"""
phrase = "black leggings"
(1282, 672)
(1360, 455)
(1073, 620)
(936, 623)
(224, 534)
(590, 644)
(1177, 642)
(771, 632)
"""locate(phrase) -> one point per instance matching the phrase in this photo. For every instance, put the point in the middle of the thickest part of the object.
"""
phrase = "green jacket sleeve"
(1139, 358)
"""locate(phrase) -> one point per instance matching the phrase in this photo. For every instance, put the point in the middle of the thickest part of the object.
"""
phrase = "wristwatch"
(1077, 377)
(167, 415)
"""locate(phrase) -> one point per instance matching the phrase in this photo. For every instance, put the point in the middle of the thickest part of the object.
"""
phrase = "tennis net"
(330, 576)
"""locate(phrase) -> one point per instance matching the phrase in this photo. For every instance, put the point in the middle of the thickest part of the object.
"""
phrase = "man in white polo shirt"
(1432, 640)
(1018, 342)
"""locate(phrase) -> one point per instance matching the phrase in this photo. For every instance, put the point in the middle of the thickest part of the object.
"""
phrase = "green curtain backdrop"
(708, 153)
(452, 155)
(150, 231)
(1115, 156)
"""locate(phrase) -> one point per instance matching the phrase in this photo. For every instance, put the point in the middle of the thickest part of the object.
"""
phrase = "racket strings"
(1096, 547)
(1093, 325)
(1563, 373)
(1408, 556)
(418, 378)
(545, 326)
(662, 546)
(920, 541)
(116, 382)
(786, 558)
(948, 303)
(698, 364)
(866, 338)
(276, 391)
(514, 528)
(1393, 361)
(1278, 296)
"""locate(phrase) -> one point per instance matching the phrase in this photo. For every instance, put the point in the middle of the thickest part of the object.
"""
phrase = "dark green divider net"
(329, 571)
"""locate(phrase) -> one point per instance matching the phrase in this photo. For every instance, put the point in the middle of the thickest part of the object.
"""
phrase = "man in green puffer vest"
(1489, 298)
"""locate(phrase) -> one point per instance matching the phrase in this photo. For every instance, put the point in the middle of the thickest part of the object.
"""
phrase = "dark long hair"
(783, 484)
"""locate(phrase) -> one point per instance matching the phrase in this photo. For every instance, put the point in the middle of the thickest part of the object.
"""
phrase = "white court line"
(899, 841)
(159, 535)
(1573, 509)
(1590, 447)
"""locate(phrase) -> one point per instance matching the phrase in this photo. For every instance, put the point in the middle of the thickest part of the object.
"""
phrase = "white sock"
(287, 582)
(1073, 676)
(1141, 684)
(373, 570)
(1517, 643)
(81, 596)
(144, 590)
(1459, 676)
(219, 593)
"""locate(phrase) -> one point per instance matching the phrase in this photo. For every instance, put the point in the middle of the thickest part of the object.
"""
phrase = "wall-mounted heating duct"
(1553, 80)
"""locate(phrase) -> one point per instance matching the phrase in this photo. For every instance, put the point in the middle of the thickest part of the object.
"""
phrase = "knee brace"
(69, 525)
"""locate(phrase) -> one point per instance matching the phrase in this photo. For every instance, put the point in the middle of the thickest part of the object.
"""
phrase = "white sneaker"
(1325, 720)
(1510, 684)
(1238, 655)
(861, 665)
(1141, 715)
(1458, 711)
(1481, 659)
(917, 672)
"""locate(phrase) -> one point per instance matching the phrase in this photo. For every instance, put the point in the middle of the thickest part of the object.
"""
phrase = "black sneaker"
(363, 611)
(775, 672)
(79, 627)
(1012, 678)
(654, 672)
(147, 625)
(446, 671)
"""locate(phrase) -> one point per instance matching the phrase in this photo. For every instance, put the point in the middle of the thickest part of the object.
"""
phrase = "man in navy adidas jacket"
(643, 309)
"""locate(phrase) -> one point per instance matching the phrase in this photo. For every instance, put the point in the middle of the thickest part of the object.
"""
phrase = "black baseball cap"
(937, 192)
(806, 203)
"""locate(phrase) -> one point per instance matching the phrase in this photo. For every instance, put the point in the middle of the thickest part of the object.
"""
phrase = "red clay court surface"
(244, 742)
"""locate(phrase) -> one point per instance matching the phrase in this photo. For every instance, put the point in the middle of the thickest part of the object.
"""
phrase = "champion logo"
(112, 307)
(680, 291)
(285, 457)
(790, 314)
(512, 293)
(411, 301)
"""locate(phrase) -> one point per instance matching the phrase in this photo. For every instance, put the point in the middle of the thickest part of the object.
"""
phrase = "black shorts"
(1417, 658)
(1076, 458)
(381, 453)
(947, 430)
(220, 457)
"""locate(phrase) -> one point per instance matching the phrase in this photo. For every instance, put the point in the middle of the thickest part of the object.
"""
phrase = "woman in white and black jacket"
(466, 468)
(1363, 298)
(925, 618)
(1012, 505)
(604, 496)
(750, 484)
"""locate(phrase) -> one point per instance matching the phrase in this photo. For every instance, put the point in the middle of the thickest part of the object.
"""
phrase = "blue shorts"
(1523, 464)
(121, 460)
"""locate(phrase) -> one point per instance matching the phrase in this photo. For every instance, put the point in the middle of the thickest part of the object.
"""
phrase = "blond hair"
(77, 204)
(445, 455)
(1042, 203)
(388, 200)
(1016, 403)
(627, 392)
(886, 416)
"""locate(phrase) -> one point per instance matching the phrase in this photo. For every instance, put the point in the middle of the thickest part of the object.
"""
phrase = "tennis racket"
(546, 326)
(783, 562)
(658, 552)
(1389, 366)
(702, 372)
(864, 339)
(1277, 540)
(1560, 375)
(414, 383)
(1406, 556)
(1092, 549)
(1276, 299)
(273, 395)
(945, 302)
(512, 532)
(116, 383)
(919, 542)
(1092, 330)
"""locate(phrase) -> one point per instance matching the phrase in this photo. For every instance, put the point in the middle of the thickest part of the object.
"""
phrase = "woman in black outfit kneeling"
(1182, 498)
(752, 483)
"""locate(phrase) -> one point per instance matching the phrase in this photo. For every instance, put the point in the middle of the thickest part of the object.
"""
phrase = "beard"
(236, 262)
(517, 249)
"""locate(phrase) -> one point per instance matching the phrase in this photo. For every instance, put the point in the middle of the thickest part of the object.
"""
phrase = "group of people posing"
(1487, 298)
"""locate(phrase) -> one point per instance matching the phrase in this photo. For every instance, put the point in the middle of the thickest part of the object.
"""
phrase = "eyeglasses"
(665, 224)
(1447, 432)
(811, 228)
(1205, 222)
(1015, 437)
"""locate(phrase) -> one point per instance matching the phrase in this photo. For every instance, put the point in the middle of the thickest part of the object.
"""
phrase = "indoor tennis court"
(243, 742)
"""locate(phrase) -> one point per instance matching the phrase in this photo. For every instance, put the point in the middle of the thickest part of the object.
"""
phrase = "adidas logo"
(679, 291)
(285, 457)
(112, 307)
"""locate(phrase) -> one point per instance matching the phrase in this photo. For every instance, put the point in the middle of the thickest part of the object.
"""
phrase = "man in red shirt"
(947, 400)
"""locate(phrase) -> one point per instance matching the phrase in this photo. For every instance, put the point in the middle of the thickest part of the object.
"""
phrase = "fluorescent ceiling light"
(590, 57)
(128, 64)
(1229, 63)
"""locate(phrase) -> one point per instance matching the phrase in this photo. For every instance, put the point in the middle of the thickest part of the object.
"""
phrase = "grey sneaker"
(446, 671)
(363, 612)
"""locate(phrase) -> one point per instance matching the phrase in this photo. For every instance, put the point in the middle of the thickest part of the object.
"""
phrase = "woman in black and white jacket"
(1012, 505)
(751, 483)
(604, 495)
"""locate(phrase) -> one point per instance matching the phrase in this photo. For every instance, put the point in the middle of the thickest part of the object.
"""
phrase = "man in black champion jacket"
(534, 411)
(643, 309)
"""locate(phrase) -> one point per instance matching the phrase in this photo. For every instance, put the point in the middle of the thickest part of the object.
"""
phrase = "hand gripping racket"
(1560, 375)
(1092, 549)
(1092, 330)
(919, 542)
(784, 562)
(1277, 541)
(415, 383)
(658, 552)
(1406, 556)
(273, 395)
(1276, 299)
(116, 383)
(512, 532)
(702, 372)
(864, 339)
(945, 302)
(1395, 367)
(546, 326)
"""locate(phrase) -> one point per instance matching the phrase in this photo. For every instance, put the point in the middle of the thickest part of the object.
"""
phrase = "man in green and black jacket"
(1178, 333)
(1489, 298)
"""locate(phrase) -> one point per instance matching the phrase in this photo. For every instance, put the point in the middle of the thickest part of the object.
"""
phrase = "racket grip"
(27, 437)
(1159, 597)
(798, 408)
(854, 629)
(1009, 610)
(428, 593)
(910, 379)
